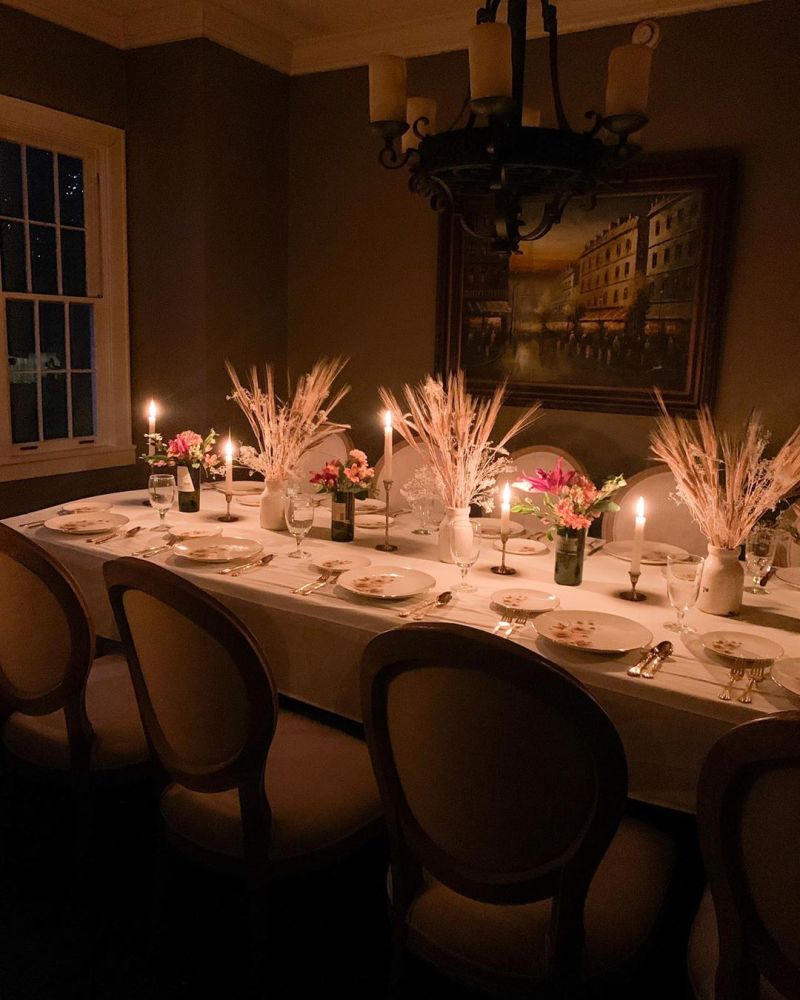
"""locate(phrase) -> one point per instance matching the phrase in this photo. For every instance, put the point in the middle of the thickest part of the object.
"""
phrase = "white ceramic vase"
(273, 503)
(723, 582)
(455, 519)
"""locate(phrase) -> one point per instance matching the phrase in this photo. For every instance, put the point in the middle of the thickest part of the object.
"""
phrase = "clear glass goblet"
(299, 515)
(422, 509)
(161, 490)
(465, 547)
(760, 554)
(684, 574)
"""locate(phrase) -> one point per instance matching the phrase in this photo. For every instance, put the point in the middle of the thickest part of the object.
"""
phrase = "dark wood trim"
(712, 171)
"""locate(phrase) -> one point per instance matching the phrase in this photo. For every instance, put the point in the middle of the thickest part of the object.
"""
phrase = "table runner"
(314, 643)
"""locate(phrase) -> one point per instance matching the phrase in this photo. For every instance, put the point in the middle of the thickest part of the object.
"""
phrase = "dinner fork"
(510, 621)
(304, 588)
(332, 577)
(737, 673)
(756, 672)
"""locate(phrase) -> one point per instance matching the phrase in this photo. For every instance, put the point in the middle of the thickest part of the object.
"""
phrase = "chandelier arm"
(488, 12)
(460, 114)
(551, 215)
(390, 159)
(550, 22)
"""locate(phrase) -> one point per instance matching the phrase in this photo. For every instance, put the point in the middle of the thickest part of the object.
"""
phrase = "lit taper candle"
(638, 536)
(505, 511)
(151, 426)
(229, 465)
(387, 446)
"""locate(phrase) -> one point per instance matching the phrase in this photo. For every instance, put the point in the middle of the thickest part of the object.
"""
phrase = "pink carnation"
(567, 515)
(182, 443)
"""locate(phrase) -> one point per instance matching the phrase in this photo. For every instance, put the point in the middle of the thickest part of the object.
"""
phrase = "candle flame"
(506, 495)
(387, 420)
(151, 410)
(640, 507)
(229, 450)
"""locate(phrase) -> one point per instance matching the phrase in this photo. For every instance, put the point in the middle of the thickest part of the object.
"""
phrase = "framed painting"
(610, 303)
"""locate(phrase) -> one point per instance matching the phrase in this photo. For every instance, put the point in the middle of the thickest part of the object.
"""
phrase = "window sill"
(64, 462)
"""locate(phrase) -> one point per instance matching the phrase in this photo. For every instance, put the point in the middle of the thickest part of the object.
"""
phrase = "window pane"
(70, 190)
(82, 405)
(12, 256)
(19, 328)
(54, 406)
(52, 338)
(44, 276)
(10, 179)
(24, 419)
(41, 194)
(73, 261)
(81, 340)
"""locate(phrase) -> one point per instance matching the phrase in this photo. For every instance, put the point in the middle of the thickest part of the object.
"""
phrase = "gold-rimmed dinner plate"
(522, 599)
(92, 523)
(218, 549)
(522, 546)
(653, 553)
(490, 527)
(786, 674)
(240, 488)
(790, 575)
(746, 647)
(386, 583)
(369, 506)
(339, 564)
(85, 506)
(372, 520)
(593, 631)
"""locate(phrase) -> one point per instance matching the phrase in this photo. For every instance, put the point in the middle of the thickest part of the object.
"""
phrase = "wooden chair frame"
(746, 948)
(565, 879)
(245, 771)
(70, 693)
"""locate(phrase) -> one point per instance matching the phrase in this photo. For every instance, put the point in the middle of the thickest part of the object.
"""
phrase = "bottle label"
(185, 484)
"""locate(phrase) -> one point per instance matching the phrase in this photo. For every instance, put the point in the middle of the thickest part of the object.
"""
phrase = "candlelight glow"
(151, 410)
(507, 494)
(387, 420)
(640, 507)
(229, 450)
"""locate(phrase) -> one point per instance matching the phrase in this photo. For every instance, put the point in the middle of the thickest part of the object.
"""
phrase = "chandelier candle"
(490, 67)
(387, 88)
(420, 112)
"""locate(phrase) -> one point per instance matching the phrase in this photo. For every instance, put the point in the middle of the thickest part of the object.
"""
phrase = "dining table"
(313, 643)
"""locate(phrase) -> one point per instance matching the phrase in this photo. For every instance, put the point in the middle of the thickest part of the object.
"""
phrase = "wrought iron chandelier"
(502, 155)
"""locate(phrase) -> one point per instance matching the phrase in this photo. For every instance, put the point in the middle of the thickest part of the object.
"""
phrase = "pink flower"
(181, 444)
(359, 456)
(569, 517)
(550, 482)
(353, 473)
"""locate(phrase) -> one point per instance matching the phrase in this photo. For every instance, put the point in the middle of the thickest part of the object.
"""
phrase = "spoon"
(440, 602)
(651, 668)
(636, 669)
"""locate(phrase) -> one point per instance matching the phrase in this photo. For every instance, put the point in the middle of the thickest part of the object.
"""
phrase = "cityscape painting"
(614, 301)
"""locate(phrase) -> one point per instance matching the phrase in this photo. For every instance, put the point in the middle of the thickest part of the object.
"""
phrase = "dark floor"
(142, 923)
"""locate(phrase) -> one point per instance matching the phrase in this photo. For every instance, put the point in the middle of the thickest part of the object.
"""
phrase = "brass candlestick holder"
(227, 517)
(632, 594)
(386, 546)
(502, 569)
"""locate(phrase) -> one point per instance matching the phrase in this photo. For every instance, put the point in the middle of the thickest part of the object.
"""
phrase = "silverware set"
(649, 665)
(109, 536)
(510, 623)
(155, 549)
(329, 576)
(263, 560)
(418, 611)
(756, 672)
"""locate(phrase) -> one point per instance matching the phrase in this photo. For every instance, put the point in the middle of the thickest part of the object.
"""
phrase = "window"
(654, 260)
(64, 382)
(624, 293)
(627, 268)
(669, 222)
(658, 228)
(616, 296)
(627, 246)
(667, 255)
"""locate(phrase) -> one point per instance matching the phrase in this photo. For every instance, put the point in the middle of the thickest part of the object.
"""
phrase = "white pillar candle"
(490, 60)
(151, 425)
(628, 80)
(638, 536)
(416, 108)
(387, 88)
(505, 511)
(387, 447)
(531, 116)
(229, 465)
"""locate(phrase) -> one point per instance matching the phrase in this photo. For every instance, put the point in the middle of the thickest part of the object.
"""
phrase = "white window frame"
(102, 148)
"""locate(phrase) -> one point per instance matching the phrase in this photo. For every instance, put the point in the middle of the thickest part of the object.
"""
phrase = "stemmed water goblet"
(760, 554)
(465, 547)
(161, 491)
(684, 574)
(299, 514)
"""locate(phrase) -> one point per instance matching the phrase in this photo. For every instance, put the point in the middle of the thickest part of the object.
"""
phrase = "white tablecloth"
(314, 643)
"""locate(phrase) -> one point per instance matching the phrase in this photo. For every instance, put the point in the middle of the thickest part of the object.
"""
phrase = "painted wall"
(362, 250)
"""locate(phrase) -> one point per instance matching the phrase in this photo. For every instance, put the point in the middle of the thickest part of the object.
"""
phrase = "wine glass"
(161, 489)
(422, 509)
(465, 546)
(760, 554)
(299, 514)
(684, 574)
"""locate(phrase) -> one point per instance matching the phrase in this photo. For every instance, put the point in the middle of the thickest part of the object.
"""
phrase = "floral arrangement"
(352, 476)
(452, 430)
(570, 499)
(285, 429)
(725, 480)
(187, 448)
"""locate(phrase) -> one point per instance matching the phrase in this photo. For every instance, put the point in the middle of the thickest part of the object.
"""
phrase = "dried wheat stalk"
(285, 429)
(452, 430)
(724, 479)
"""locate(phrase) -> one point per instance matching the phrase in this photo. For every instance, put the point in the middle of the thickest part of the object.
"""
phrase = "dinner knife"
(651, 668)
(256, 564)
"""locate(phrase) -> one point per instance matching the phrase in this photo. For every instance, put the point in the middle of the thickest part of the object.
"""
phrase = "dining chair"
(525, 461)
(667, 521)
(405, 462)
(745, 943)
(64, 710)
(504, 784)
(249, 786)
(338, 446)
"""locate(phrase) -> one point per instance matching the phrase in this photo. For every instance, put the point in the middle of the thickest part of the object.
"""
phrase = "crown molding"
(261, 33)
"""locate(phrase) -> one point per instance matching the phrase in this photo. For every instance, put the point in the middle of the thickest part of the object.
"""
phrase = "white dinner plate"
(219, 549)
(184, 534)
(370, 505)
(93, 523)
(372, 520)
(786, 673)
(250, 499)
(790, 575)
(522, 546)
(85, 506)
(240, 487)
(338, 564)
(594, 631)
(653, 553)
(520, 599)
(741, 646)
(386, 583)
(490, 527)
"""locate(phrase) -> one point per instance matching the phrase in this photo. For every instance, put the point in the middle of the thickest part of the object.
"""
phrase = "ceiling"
(308, 36)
